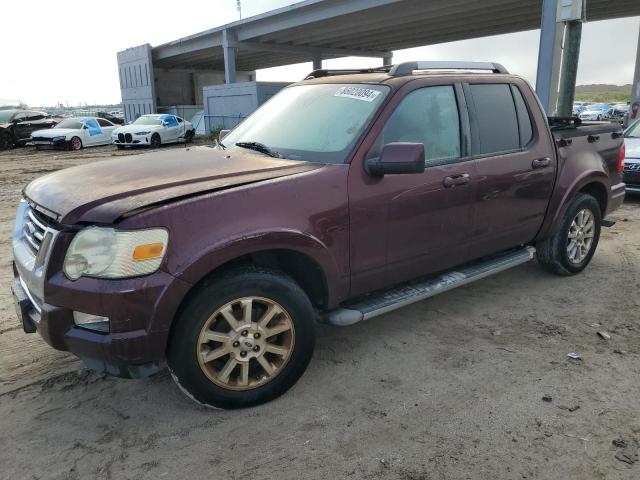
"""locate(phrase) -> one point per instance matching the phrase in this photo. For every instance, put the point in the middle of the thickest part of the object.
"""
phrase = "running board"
(408, 293)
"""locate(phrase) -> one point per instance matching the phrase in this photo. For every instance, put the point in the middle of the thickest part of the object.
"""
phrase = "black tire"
(6, 142)
(156, 141)
(552, 252)
(188, 137)
(183, 357)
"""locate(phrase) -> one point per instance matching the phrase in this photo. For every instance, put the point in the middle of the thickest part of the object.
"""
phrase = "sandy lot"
(450, 388)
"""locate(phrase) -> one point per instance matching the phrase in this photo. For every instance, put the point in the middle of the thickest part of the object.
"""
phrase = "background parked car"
(596, 111)
(153, 131)
(112, 118)
(578, 108)
(16, 126)
(75, 133)
(631, 172)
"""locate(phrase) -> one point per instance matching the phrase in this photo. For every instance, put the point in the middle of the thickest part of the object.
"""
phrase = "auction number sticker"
(359, 93)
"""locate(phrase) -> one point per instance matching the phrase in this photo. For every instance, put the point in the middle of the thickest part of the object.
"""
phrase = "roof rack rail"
(407, 68)
(328, 73)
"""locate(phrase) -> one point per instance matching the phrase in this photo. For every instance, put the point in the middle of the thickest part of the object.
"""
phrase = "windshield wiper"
(259, 147)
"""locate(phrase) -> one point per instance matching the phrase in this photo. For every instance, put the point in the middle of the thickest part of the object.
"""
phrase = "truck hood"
(104, 191)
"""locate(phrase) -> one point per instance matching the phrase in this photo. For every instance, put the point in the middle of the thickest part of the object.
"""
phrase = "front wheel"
(75, 143)
(243, 339)
(570, 250)
(155, 141)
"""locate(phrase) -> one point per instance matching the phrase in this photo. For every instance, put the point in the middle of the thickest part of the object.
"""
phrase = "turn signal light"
(621, 155)
(147, 251)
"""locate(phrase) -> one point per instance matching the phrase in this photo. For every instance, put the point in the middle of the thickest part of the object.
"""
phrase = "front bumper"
(43, 143)
(631, 176)
(131, 140)
(140, 310)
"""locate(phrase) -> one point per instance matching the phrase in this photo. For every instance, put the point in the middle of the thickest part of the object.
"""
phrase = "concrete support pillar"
(317, 60)
(635, 89)
(229, 48)
(569, 68)
(387, 60)
(549, 56)
(560, 34)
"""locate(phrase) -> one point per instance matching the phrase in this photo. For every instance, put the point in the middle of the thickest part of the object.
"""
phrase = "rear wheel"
(155, 141)
(75, 143)
(6, 141)
(570, 250)
(243, 339)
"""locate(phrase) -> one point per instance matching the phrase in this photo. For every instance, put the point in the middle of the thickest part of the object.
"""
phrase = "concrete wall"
(135, 68)
(184, 86)
(227, 105)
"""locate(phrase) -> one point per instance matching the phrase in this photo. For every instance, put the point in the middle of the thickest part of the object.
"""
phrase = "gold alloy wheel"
(245, 343)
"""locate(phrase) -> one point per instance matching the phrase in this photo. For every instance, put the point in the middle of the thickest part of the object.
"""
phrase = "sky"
(66, 51)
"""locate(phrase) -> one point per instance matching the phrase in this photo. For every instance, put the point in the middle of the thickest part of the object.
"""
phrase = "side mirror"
(15, 121)
(222, 134)
(397, 158)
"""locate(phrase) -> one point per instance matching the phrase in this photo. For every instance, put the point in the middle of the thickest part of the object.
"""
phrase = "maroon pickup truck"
(349, 194)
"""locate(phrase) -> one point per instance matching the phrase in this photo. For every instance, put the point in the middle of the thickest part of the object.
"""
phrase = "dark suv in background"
(16, 126)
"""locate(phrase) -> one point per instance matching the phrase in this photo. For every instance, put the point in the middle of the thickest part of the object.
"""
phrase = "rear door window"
(429, 116)
(104, 123)
(496, 118)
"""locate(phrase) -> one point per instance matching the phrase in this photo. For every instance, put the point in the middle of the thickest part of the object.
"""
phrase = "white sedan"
(152, 131)
(75, 133)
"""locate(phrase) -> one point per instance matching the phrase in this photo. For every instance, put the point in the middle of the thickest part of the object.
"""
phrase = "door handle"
(454, 180)
(541, 163)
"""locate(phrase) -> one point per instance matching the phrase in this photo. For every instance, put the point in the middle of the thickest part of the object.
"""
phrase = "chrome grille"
(632, 167)
(34, 230)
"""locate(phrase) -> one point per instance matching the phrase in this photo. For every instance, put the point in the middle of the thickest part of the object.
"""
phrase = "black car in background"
(111, 118)
(16, 126)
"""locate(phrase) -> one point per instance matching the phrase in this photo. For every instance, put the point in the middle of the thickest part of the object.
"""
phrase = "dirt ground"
(449, 388)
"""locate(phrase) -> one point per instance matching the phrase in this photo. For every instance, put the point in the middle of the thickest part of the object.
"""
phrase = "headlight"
(57, 139)
(109, 253)
(142, 133)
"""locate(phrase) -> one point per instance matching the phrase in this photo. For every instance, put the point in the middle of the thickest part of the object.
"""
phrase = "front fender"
(200, 265)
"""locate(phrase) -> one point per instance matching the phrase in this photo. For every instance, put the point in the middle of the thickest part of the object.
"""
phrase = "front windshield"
(634, 131)
(75, 124)
(5, 116)
(148, 121)
(315, 123)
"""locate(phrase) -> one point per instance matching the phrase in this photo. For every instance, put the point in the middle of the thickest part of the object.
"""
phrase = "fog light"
(91, 322)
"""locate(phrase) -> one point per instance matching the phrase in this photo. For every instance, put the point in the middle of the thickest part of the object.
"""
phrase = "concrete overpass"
(314, 30)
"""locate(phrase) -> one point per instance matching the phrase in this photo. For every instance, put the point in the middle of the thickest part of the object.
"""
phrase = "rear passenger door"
(107, 129)
(515, 164)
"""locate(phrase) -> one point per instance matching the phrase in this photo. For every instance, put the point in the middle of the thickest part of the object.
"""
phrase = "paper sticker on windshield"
(359, 93)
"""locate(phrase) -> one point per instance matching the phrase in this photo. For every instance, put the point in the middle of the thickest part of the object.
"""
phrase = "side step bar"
(408, 293)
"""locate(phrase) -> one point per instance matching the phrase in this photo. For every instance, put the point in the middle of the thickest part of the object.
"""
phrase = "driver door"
(407, 225)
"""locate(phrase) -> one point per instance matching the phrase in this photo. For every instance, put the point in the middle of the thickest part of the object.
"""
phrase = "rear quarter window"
(524, 120)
